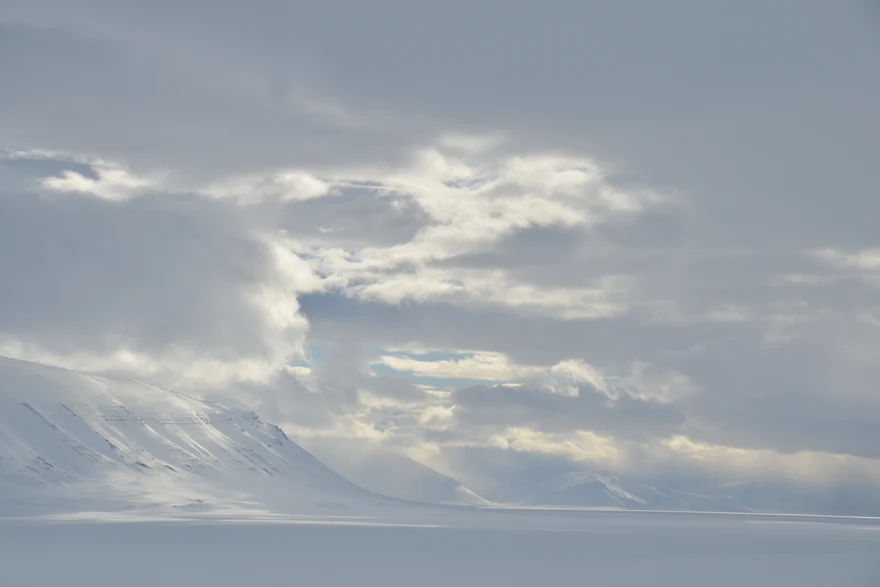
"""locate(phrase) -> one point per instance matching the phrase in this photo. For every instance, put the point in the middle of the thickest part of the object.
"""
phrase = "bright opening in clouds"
(521, 247)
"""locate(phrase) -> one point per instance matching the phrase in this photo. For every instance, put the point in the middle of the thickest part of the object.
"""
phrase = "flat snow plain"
(503, 548)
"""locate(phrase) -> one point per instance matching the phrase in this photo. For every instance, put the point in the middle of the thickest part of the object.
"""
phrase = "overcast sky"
(631, 235)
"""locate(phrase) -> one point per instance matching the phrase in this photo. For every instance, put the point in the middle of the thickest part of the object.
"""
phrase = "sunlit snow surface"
(480, 548)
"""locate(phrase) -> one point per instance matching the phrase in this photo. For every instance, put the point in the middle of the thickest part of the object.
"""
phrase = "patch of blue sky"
(314, 354)
(25, 165)
(442, 383)
(430, 356)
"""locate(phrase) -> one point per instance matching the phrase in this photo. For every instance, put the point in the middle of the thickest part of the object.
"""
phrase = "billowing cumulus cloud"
(168, 284)
(642, 246)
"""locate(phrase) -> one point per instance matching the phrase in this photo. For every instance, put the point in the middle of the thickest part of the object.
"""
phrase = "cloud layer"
(634, 245)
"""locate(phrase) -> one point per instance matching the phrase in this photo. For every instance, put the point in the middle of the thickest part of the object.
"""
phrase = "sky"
(635, 237)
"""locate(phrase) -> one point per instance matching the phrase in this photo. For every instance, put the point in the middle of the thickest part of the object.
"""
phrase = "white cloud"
(111, 182)
(490, 287)
(471, 205)
(175, 367)
(437, 417)
(579, 446)
(284, 186)
(482, 366)
(651, 383)
(813, 467)
(568, 376)
(642, 381)
(867, 259)
(299, 371)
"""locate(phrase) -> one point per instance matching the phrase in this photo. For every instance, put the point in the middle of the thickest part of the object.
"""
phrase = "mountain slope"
(71, 440)
(391, 473)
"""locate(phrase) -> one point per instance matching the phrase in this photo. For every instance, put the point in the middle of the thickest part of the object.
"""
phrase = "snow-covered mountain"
(72, 441)
(579, 488)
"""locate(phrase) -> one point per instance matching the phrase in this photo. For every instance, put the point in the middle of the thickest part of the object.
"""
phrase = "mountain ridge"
(74, 438)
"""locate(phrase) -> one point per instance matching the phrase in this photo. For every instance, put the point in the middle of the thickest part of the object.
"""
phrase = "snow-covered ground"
(590, 548)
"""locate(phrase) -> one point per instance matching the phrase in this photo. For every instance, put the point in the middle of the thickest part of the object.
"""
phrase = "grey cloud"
(693, 98)
(527, 339)
(332, 392)
(498, 407)
(786, 396)
(90, 275)
(346, 370)
(555, 257)
(808, 394)
(675, 278)
(287, 401)
(352, 218)
(168, 110)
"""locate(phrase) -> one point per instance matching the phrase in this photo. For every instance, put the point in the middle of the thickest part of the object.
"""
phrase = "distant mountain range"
(580, 488)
